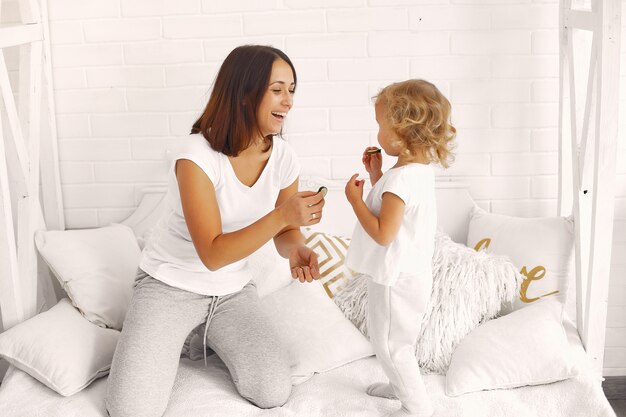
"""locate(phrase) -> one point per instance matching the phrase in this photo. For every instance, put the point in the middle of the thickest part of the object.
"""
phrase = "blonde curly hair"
(420, 115)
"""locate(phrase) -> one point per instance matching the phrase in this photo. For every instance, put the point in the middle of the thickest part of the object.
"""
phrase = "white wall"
(132, 75)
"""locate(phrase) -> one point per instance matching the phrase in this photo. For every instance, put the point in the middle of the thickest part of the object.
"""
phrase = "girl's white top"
(170, 255)
(411, 251)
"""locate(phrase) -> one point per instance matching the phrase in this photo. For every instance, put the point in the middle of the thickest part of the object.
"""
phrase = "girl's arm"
(384, 228)
(375, 176)
(202, 215)
(373, 163)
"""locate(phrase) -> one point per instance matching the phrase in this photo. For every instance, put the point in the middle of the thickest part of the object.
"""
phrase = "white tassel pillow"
(469, 288)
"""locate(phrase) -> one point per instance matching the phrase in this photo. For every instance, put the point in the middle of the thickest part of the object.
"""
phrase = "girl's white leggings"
(394, 321)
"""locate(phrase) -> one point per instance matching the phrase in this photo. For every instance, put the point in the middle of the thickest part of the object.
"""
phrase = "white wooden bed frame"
(586, 168)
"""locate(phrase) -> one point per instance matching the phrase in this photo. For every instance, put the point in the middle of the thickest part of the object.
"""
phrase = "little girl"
(392, 244)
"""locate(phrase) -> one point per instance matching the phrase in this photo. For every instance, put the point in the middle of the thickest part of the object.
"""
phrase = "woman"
(231, 189)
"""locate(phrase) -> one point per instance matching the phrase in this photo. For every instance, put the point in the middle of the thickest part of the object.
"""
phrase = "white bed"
(338, 392)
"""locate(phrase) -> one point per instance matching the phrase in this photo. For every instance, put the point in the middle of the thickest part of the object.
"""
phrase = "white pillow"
(269, 270)
(526, 347)
(96, 267)
(541, 248)
(60, 348)
(315, 332)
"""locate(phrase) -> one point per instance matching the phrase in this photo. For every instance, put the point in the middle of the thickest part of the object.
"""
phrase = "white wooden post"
(49, 162)
(29, 208)
(18, 256)
(10, 296)
(587, 160)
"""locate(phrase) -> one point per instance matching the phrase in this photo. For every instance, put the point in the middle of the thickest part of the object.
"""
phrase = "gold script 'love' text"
(535, 274)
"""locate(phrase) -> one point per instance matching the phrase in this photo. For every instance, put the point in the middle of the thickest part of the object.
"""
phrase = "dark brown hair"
(229, 121)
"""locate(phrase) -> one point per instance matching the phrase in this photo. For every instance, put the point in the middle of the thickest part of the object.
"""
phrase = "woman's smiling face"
(277, 100)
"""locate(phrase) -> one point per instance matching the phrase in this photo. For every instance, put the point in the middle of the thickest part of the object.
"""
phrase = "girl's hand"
(303, 208)
(354, 189)
(373, 162)
(303, 263)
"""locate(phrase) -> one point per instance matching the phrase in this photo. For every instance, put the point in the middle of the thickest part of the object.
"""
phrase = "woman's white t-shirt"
(170, 255)
(411, 252)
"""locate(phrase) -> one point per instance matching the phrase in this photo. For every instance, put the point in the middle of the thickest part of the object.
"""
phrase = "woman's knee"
(266, 392)
(130, 399)
(133, 409)
(114, 408)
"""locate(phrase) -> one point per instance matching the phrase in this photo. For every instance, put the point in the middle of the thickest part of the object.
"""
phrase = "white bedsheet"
(341, 392)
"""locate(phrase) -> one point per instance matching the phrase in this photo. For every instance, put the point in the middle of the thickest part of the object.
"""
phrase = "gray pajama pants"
(394, 323)
(158, 321)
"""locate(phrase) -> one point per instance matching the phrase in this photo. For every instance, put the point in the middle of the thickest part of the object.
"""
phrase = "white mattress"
(341, 392)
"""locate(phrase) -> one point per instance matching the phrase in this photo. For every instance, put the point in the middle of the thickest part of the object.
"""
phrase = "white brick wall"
(132, 75)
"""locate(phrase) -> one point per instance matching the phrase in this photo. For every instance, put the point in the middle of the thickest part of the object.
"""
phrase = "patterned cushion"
(332, 251)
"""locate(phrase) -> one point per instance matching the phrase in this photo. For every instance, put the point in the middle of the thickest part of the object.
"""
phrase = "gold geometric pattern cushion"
(331, 251)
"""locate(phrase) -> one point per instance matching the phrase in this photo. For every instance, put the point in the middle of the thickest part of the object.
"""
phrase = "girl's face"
(387, 138)
(277, 100)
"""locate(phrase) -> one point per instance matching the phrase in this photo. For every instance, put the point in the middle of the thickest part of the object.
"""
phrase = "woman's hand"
(303, 263)
(373, 162)
(302, 209)
(354, 189)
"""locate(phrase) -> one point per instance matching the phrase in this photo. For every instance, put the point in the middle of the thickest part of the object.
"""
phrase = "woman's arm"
(290, 242)
(289, 237)
(384, 228)
(202, 215)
